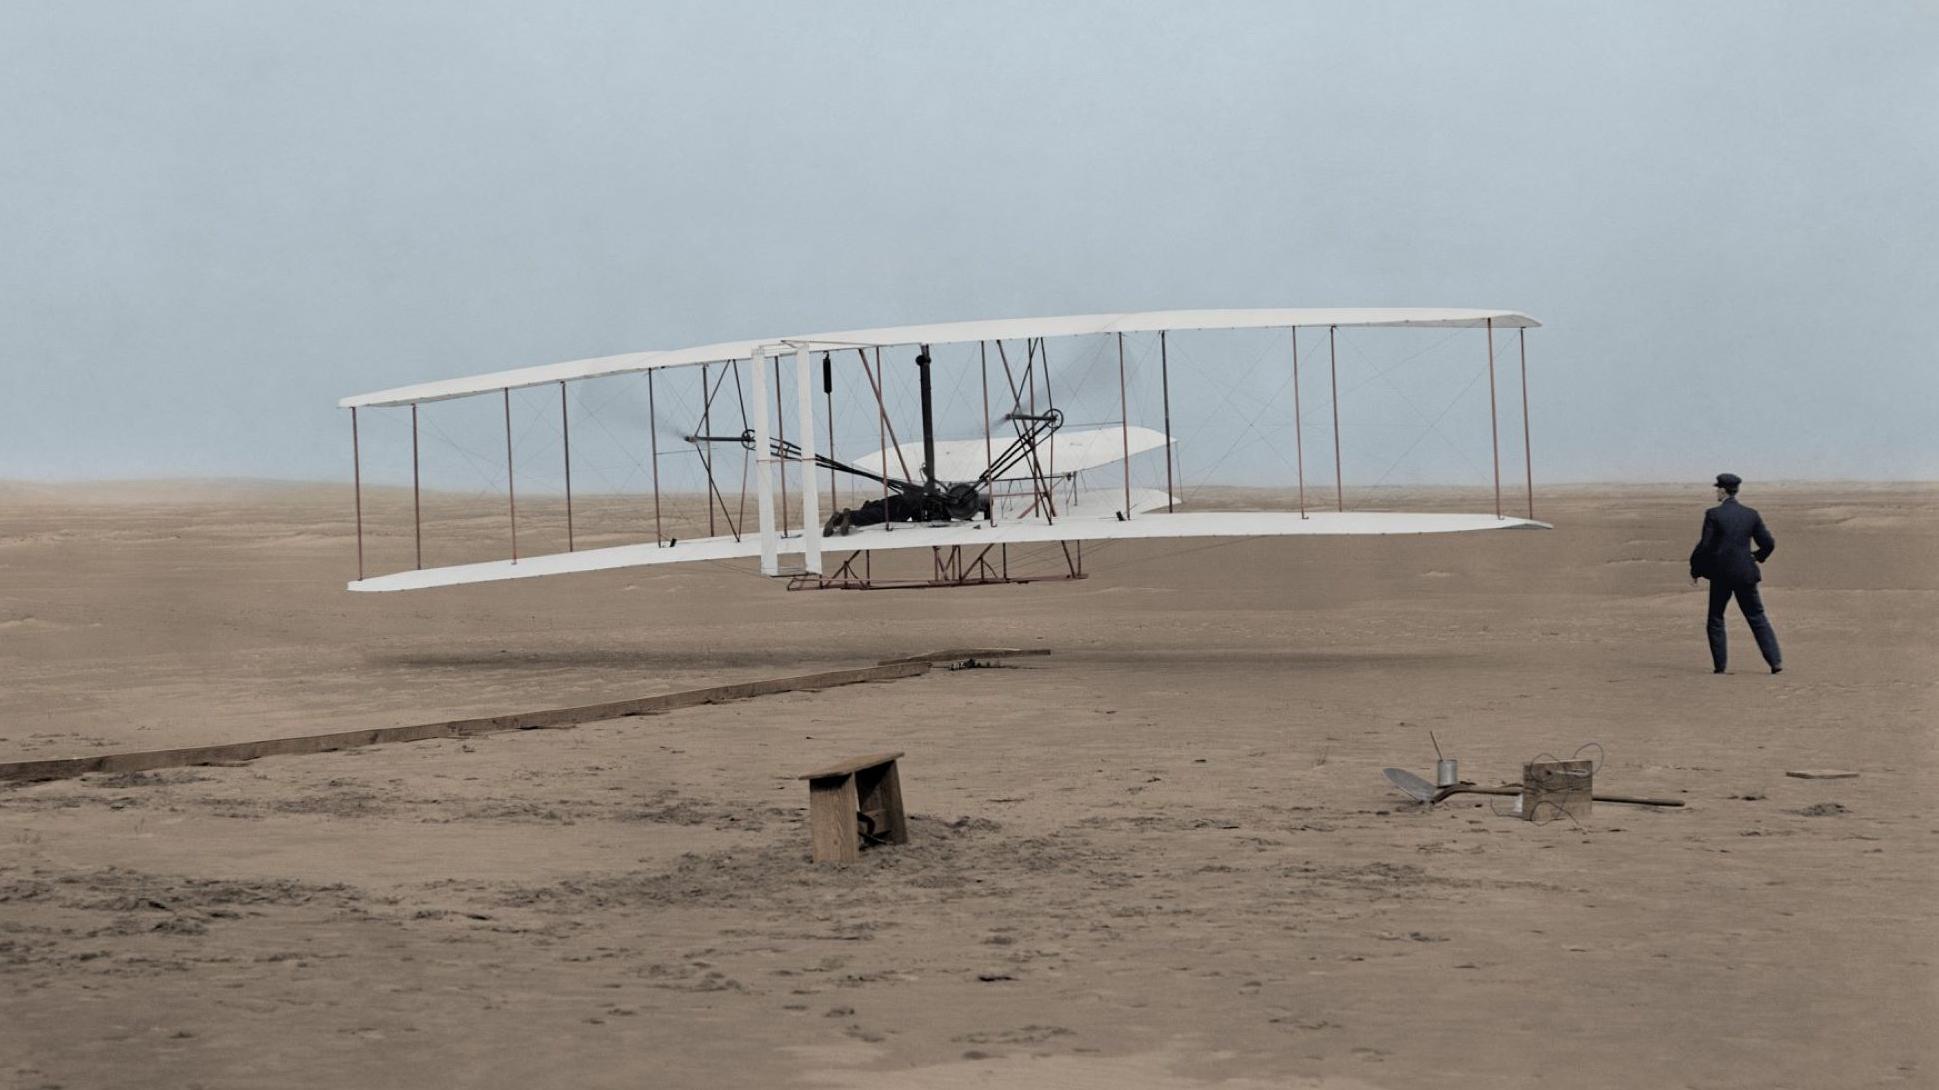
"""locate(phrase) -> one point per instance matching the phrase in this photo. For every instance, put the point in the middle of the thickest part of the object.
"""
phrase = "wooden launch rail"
(956, 654)
(549, 719)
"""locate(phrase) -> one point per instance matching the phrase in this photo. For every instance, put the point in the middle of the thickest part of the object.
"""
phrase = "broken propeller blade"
(1413, 785)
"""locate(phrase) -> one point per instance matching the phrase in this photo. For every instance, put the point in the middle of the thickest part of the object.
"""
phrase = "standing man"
(1724, 556)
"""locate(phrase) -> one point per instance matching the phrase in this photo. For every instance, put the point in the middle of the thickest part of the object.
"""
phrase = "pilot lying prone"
(954, 503)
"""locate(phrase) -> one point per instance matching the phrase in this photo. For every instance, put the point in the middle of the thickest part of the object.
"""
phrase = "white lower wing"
(1090, 527)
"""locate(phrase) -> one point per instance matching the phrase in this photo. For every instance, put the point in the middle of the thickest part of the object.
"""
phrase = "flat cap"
(1729, 481)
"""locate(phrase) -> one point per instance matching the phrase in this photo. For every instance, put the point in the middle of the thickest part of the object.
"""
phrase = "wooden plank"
(852, 765)
(831, 821)
(548, 719)
(889, 792)
(1822, 774)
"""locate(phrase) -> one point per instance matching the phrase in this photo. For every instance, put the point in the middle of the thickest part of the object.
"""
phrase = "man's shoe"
(1718, 670)
(1777, 669)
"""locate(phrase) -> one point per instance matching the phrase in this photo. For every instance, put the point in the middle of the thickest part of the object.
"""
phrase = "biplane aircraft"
(1030, 477)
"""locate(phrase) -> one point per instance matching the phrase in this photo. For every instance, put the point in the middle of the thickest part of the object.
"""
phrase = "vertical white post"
(764, 467)
(1124, 428)
(1333, 369)
(1494, 423)
(1528, 457)
(810, 502)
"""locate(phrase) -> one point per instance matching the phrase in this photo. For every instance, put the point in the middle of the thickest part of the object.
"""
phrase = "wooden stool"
(853, 804)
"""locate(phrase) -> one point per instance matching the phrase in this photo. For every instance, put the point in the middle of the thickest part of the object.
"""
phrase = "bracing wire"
(1535, 815)
(1433, 428)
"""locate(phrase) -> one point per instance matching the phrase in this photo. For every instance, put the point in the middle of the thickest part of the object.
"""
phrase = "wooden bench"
(855, 804)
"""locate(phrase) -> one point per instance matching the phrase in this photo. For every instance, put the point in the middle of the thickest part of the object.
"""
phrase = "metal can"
(1447, 772)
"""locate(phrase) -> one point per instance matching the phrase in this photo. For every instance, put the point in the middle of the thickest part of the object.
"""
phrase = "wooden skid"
(808, 583)
(549, 719)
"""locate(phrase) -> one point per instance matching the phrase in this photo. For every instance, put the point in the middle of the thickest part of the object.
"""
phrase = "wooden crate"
(1554, 789)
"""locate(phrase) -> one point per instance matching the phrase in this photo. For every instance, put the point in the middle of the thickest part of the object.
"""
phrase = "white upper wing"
(1076, 325)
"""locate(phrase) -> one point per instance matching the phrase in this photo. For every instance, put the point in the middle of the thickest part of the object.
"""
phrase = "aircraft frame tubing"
(950, 569)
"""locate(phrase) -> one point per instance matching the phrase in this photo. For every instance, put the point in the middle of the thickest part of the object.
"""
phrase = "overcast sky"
(218, 218)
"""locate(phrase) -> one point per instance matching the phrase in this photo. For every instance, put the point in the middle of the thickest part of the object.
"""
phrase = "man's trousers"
(1753, 608)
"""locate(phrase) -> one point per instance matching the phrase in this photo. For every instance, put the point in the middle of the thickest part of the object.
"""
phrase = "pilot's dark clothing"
(954, 503)
(1724, 556)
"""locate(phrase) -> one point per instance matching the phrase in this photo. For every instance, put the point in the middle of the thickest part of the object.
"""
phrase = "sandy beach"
(1162, 855)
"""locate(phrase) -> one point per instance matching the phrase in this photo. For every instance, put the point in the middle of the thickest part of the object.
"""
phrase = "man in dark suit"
(1724, 556)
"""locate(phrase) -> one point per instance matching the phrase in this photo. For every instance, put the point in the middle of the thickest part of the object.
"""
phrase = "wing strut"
(1164, 384)
(1333, 366)
(417, 504)
(810, 501)
(511, 486)
(780, 429)
(357, 484)
(1528, 458)
(1494, 425)
(1299, 450)
(1124, 429)
(565, 432)
(983, 361)
(764, 465)
(653, 441)
(707, 425)
(828, 390)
